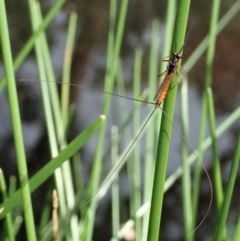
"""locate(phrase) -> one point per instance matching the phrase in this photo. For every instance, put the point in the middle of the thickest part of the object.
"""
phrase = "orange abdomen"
(163, 89)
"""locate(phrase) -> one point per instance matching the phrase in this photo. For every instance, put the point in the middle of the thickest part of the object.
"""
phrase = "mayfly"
(171, 70)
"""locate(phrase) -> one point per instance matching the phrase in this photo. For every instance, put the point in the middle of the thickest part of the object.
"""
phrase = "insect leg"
(162, 73)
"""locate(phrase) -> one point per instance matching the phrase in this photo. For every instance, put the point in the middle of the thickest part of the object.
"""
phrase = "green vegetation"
(78, 201)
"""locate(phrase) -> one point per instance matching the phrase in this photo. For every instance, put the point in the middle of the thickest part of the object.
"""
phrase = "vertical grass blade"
(151, 133)
(236, 233)
(115, 187)
(67, 68)
(136, 174)
(222, 216)
(168, 32)
(207, 83)
(165, 129)
(186, 177)
(216, 161)
(16, 124)
(8, 224)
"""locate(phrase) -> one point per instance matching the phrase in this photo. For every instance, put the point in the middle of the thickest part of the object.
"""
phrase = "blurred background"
(88, 68)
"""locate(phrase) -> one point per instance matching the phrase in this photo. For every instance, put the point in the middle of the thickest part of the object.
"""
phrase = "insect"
(172, 68)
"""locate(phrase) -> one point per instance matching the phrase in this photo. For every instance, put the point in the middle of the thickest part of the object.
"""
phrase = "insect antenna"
(186, 38)
(92, 89)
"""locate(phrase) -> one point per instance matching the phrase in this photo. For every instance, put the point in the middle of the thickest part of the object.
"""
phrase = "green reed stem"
(166, 127)
(16, 124)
